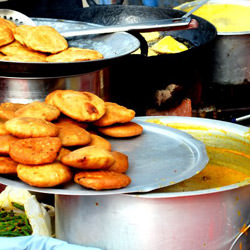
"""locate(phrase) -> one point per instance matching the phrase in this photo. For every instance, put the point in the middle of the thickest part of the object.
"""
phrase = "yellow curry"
(227, 164)
(225, 17)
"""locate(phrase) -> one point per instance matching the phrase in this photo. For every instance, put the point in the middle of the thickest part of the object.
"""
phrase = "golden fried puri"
(40, 110)
(21, 32)
(8, 109)
(7, 165)
(128, 129)
(35, 151)
(115, 113)
(74, 55)
(81, 106)
(48, 175)
(6, 35)
(5, 141)
(121, 162)
(41, 38)
(99, 141)
(65, 119)
(16, 49)
(8, 23)
(3, 130)
(100, 180)
(72, 135)
(89, 157)
(25, 127)
(62, 152)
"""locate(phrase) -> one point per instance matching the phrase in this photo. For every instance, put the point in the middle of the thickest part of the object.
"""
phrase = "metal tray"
(112, 46)
(160, 157)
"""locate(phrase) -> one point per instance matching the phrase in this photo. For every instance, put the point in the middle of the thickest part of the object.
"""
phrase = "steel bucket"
(202, 219)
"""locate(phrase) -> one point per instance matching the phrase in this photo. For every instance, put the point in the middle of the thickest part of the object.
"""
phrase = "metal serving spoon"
(184, 22)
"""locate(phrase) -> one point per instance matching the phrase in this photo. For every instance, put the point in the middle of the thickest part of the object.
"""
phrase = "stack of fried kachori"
(63, 139)
(41, 43)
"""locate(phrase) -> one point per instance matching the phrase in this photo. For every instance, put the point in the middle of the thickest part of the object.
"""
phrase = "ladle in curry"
(184, 22)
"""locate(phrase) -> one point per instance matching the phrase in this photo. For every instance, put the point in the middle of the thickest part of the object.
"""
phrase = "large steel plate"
(112, 46)
(160, 157)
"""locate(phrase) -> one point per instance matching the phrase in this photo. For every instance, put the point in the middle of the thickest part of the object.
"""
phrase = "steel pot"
(203, 219)
(229, 62)
(28, 89)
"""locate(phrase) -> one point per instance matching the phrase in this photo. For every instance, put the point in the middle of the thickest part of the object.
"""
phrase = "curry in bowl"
(229, 159)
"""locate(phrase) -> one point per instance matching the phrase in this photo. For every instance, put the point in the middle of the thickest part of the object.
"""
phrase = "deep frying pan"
(133, 75)
(140, 76)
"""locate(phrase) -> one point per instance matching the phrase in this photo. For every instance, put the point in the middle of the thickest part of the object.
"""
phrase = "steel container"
(28, 89)
(210, 219)
(230, 53)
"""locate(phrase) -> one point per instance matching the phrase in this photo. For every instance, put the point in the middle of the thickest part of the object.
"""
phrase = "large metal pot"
(230, 62)
(203, 219)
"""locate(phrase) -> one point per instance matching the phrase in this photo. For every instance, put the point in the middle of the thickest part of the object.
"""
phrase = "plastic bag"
(36, 213)
(38, 243)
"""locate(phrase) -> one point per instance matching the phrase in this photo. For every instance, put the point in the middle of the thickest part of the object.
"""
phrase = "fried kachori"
(5, 141)
(6, 34)
(121, 162)
(81, 106)
(99, 141)
(3, 130)
(16, 49)
(42, 38)
(35, 151)
(89, 157)
(47, 175)
(72, 135)
(100, 180)
(40, 110)
(73, 54)
(8, 109)
(115, 113)
(7, 165)
(21, 32)
(128, 129)
(8, 23)
(25, 127)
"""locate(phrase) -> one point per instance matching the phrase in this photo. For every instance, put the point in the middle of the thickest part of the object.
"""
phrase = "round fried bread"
(44, 38)
(40, 110)
(99, 141)
(121, 162)
(7, 165)
(26, 127)
(115, 113)
(81, 106)
(17, 49)
(72, 135)
(21, 32)
(89, 157)
(3, 130)
(23, 58)
(99, 180)
(5, 141)
(35, 151)
(8, 23)
(62, 152)
(65, 119)
(8, 109)
(6, 34)
(128, 129)
(48, 175)
(74, 55)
